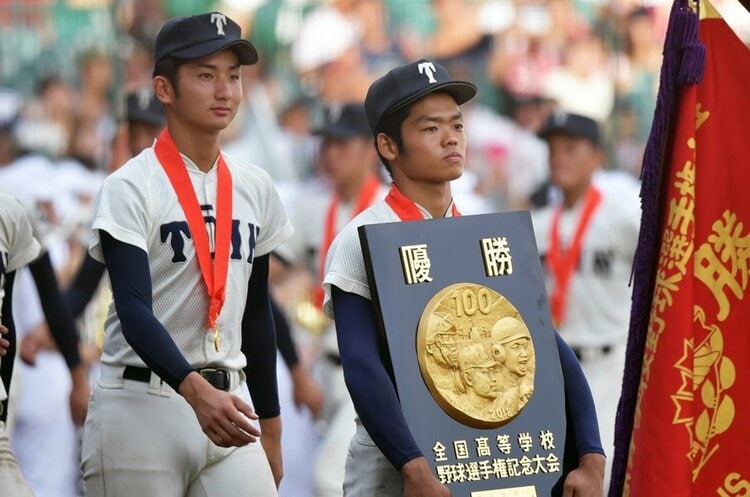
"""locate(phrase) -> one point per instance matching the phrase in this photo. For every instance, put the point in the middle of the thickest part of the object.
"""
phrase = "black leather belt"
(584, 353)
(218, 378)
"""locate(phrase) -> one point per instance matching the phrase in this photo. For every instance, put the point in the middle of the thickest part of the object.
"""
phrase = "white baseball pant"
(144, 439)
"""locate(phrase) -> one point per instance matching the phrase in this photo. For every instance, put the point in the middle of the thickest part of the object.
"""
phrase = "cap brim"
(342, 132)
(245, 50)
(548, 131)
(461, 91)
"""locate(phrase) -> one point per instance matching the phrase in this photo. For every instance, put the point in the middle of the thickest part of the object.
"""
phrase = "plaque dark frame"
(454, 250)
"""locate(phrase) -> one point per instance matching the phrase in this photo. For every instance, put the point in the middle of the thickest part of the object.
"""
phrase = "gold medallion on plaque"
(476, 355)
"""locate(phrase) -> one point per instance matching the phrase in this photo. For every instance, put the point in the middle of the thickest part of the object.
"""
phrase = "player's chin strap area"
(219, 378)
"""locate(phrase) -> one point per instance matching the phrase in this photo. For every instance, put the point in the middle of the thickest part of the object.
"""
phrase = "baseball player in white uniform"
(587, 242)
(350, 162)
(185, 232)
(17, 248)
(414, 113)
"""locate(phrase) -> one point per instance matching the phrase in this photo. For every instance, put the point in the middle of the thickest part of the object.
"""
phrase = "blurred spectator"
(254, 134)
(508, 161)
(583, 84)
(10, 104)
(637, 83)
(96, 122)
(381, 48)
(329, 58)
(457, 29)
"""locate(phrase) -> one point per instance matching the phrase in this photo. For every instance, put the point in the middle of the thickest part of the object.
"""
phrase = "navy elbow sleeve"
(259, 342)
(370, 385)
(131, 288)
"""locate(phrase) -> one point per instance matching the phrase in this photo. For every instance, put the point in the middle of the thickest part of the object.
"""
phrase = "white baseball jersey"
(17, 245)
(345, 264)
(598, 305)
(309, 218)
(138, 206)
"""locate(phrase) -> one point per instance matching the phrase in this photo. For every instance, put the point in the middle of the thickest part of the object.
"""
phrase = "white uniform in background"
(597, 314)
(338, 416)
(43, 434)
(17, 248)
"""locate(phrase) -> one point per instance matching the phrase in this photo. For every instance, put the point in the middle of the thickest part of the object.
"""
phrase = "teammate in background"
(145, 120)
(415, 117)
(17, 248)
(587, 243)
(185, 232)
(348, 160)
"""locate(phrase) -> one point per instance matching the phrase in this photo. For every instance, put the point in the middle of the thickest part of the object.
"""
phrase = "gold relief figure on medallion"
(476, 355)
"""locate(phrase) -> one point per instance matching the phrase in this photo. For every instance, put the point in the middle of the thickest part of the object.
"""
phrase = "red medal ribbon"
(214, 272)
(562, 263)
(405, 208)
(365, 198)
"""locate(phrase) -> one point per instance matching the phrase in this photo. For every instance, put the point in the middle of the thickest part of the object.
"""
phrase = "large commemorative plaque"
(464, 315)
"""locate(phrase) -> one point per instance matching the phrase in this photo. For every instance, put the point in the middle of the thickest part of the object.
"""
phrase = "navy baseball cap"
(142, 106)
(406, 84)
(575, 125)
(344, 121)
(193, 37)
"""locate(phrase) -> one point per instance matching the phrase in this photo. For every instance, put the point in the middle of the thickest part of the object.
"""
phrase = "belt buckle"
(590, 353)
(218, 378)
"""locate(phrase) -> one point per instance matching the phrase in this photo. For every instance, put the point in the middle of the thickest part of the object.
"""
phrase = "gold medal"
(476, 355)
(217, 338)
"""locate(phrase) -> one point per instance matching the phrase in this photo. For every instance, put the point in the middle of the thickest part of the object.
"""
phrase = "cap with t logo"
(344, 121)
(405, 84)
(193, 37)
(142, 106)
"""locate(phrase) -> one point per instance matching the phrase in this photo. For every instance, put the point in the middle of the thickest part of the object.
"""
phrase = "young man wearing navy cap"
(145, 119)
(587, 243)
(415, 116)
(185, 232)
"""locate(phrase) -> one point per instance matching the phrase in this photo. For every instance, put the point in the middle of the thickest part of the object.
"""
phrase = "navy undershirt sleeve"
(79, 293)
(284, 340)
(579, 402)
(59, 321)
(259, 342)
(131, 289)
(371, 387)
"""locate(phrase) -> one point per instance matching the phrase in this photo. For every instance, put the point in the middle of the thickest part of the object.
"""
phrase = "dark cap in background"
(142, 106)
(345, 120)
(405, 84)
(193, 37)
(576, 125)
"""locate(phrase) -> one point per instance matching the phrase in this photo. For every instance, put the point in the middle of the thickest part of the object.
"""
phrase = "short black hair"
(169, 67)
(391, 125)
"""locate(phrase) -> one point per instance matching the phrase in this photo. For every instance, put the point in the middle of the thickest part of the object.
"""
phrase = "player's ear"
(163, 90)
(387, 147)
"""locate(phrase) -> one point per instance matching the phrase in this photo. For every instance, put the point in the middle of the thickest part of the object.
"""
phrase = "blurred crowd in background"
(67, 65)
